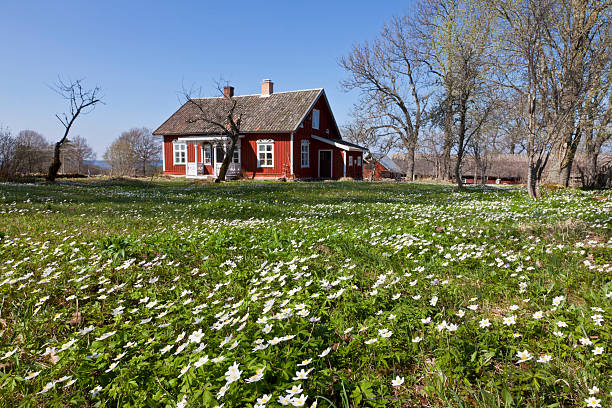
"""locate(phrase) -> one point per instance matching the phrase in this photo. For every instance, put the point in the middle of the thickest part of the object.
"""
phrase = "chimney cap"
(267, 80)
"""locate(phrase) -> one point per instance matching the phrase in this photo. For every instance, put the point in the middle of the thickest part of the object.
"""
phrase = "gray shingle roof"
(281, 112)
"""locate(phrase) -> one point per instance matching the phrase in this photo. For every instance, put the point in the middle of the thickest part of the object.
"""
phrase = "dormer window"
(315, 118)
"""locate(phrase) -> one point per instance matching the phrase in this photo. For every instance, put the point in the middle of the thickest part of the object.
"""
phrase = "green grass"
(100, 279)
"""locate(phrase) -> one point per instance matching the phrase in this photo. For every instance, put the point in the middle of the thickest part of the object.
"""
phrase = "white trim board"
(339, 145)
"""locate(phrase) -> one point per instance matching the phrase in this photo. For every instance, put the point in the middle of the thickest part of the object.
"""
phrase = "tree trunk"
(227, 159)
(56, 164)
(448, 138)
(410, 162)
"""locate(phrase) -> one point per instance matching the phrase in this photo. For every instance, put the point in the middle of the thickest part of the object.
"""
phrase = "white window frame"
(305, 154)
(207, 154)
(262, 148)
(350, 161)
(358, 161)
(176, 152)
(316, 116)
(236, 156)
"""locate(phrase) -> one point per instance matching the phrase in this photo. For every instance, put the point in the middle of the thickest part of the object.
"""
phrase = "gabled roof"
(387, 163)
(281, 112)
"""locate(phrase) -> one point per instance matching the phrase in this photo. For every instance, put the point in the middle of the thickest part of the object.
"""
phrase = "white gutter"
(163, 154)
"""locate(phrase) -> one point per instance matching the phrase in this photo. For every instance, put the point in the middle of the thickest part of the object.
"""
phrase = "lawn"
(344, 294)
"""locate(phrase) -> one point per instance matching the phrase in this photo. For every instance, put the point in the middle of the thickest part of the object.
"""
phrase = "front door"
(219, 156)
(192, 166)
(325, 164)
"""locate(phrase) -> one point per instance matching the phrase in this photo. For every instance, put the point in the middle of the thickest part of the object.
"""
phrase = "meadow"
(344, 294)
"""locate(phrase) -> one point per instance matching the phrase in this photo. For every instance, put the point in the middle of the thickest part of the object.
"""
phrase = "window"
(207, 154)
(315, 118)
(265, 153)
(359, 161)
(180, 153)
(305, 153)
(236, 156)
(350, 160)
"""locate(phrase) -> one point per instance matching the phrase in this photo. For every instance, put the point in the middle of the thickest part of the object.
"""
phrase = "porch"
(208, 155)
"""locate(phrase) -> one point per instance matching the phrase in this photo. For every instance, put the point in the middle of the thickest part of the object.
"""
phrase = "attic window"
(315, 118)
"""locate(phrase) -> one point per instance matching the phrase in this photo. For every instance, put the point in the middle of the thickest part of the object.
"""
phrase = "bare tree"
(147, 148)
(75, 152)
(80, 101)
(8, 163)
(373, 138)
(223, 118)
(120, 155)
(391, 82)
(32, 152)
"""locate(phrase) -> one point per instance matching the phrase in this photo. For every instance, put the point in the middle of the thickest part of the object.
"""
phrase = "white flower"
(417, 339)
(9, 353)
(296, 389)
(184, 370)
(538, 315)
(111, 367)
(233, 373)
(461, 313)
(302, 374)
(524, 356)
(484, 323)
(385, 333)
(544, 358)
(284, 400)
(201, 361)
(105, 336)
(585, 341)
(96, 390)
(557, 300)
(472, 307)
(514, 307)
(305, 362)
(397, 381)
(433, 301)
(325, 352)
(183, 402)
(299, 401)
(509, 321)
(31, 375)
(598, 350)
(47, 387)
(593, 402)
(594, 390)
(196, 336)
(371, 341)
(264, 399)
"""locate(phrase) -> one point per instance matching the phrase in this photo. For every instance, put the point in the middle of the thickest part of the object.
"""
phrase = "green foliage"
(105, 286)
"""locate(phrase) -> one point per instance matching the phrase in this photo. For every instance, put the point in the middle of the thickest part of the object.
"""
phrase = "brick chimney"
(228, 91)
(267, 88)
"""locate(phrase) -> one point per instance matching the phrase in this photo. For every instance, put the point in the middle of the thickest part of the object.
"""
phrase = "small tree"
(7, 153)
(77, 150)
(32, 151)
(146, 147)
(80, 101)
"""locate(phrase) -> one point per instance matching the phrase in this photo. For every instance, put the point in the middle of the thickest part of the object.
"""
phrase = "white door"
(192, 166)
(219, 156)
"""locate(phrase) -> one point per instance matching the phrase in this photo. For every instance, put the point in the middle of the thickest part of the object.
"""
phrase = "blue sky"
(142, 52)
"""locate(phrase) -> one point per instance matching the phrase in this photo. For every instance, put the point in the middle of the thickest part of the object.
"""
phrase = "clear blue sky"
(141, 53)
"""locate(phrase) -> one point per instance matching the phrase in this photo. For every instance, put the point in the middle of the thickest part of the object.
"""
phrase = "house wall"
(354, 171)
(181, 169)
(305, 132)
(379, 171)
(282, 155)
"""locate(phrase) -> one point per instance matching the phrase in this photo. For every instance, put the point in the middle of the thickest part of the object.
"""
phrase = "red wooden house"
(284, 134)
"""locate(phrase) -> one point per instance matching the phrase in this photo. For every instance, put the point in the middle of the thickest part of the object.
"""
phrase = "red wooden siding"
(169, 157)
(282, 155)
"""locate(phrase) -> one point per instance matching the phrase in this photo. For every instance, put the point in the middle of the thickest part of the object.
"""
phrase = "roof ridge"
(258, 94)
